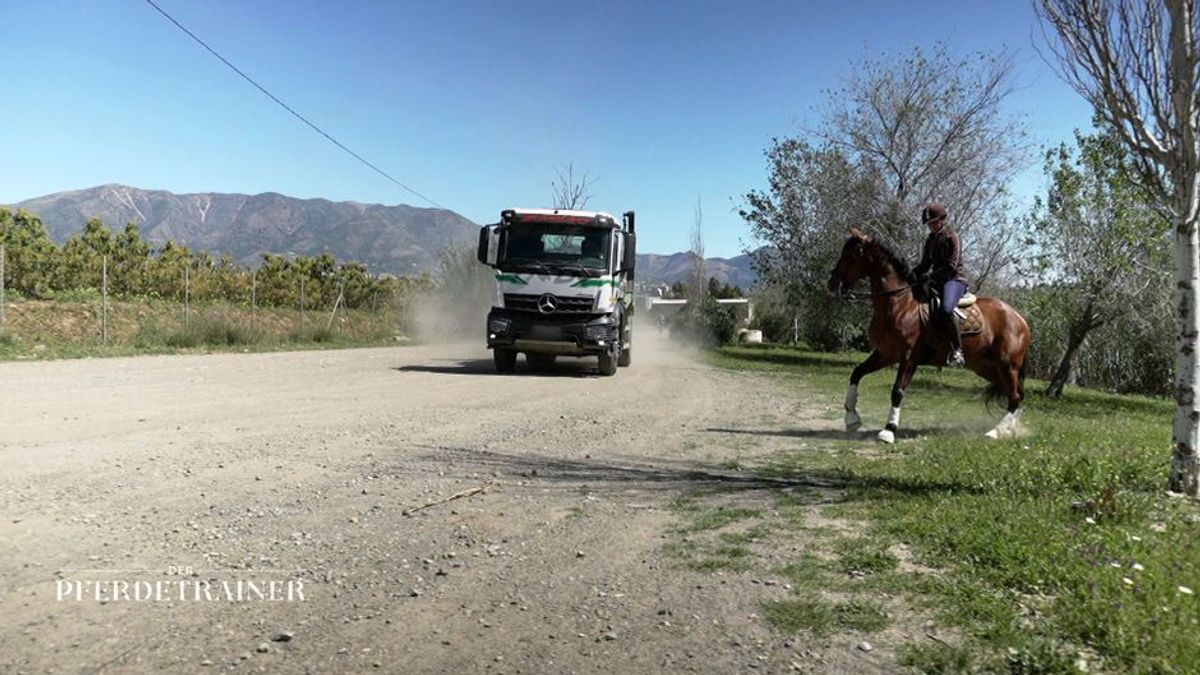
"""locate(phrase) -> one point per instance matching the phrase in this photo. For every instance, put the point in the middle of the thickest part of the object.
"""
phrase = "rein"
(851, 295)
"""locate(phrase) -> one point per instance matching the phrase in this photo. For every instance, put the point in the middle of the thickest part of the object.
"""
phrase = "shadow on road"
(486, 367)
(666, 474)
(863, 434)
(597, 471)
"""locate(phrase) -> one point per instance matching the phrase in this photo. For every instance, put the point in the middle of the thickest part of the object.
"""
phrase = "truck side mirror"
(628, 221)
(482, 252)
(630, 260)
(489, 244)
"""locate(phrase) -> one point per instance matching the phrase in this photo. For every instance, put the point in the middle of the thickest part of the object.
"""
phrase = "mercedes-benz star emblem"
(547, 304)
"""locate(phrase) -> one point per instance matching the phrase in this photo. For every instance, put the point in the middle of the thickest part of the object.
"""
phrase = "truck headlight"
(599, 332)
(499, 326)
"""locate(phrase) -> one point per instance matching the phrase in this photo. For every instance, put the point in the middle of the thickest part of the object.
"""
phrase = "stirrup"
(956, 359)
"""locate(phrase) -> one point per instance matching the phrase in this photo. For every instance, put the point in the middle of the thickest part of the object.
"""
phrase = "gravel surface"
(301, 467)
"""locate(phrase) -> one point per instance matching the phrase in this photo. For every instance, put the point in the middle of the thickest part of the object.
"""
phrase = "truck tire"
(505, 360)
(626, 357)
(540, 362)
(608, 365)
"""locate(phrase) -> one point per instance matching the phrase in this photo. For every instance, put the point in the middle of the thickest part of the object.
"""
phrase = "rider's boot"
(953, 327)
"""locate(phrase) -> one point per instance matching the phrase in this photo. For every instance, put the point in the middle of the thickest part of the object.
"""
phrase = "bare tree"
(930, 128)
(1138, 63)
(569, 192)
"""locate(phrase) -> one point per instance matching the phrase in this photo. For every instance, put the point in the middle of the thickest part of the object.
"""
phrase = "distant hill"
(399, 239)
(654, 268)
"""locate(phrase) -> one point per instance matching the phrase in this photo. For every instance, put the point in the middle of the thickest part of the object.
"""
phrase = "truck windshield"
(557, 246)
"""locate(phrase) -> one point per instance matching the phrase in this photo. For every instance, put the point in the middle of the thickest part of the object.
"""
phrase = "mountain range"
(398, 239)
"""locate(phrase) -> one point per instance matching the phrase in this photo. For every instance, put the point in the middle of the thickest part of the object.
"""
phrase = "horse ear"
(856, 233)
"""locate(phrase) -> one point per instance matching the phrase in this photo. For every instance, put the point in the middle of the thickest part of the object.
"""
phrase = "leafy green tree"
(129, 268)
(1097, 239)
(83, 256)
(30, 255)
(813, 196)
(167, 272)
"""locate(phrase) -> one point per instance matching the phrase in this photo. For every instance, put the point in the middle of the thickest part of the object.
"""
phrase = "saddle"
(970, 318)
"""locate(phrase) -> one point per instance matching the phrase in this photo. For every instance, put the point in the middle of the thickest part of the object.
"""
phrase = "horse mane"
(900, 265)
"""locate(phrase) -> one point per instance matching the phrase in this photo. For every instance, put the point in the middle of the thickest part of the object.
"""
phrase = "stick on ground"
(456, 495)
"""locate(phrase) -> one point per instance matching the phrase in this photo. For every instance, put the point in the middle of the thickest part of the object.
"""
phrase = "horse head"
(851, 264)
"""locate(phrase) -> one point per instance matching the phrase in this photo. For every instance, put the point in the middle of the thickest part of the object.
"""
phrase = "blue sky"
(473, 104)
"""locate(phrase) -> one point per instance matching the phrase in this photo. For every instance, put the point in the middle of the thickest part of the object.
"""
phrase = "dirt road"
(299, 467)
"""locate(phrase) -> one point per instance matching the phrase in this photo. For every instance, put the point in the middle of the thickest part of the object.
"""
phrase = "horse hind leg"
(1009, 378)
(903, 379)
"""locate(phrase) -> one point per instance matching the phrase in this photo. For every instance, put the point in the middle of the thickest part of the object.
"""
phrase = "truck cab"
(564, 287)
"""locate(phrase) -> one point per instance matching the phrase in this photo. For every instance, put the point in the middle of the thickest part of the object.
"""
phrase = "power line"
(286, 107)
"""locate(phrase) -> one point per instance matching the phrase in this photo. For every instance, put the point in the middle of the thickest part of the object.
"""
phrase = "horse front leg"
(903, 377)
(873, 363)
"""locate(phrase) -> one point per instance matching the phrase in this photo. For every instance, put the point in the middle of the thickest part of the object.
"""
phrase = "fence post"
(3, 300)
(254, 299)
(187, 296)
(104, 301)
(336, 303)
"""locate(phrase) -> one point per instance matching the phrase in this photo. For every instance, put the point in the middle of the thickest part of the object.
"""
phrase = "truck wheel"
(505, 360)
(540, 362)
(626, 357)
(608, 365)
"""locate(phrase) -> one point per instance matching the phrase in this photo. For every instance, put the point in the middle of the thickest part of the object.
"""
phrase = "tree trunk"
(1185, 470)
(1075, 337)
(1185, 183)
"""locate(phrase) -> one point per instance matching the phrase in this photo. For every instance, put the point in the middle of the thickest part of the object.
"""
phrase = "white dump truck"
(564, 287)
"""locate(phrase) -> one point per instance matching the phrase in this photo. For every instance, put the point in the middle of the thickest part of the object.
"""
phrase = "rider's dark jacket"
(941, 258)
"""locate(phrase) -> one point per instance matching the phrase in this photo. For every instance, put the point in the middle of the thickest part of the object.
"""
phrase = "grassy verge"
(1055, 549)
(73, 329)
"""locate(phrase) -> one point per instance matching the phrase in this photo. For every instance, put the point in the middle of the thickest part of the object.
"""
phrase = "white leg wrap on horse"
(894, 417)
(1006, 427)
(852, 420)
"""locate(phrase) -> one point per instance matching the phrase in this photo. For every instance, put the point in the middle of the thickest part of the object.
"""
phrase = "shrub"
(213, 332)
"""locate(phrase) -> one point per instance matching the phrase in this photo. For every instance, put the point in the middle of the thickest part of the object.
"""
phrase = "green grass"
(716, 519)
(857, 555)
(1072, 519)
(70, 326)
(822, 618)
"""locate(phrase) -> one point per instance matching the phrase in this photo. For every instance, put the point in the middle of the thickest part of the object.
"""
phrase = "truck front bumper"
(539, 334)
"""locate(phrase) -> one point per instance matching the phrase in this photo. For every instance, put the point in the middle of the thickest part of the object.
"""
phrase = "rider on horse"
(941, 263)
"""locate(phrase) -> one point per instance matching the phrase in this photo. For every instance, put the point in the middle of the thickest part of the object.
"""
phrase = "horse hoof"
(851, 428)
(993, 434)
(886, 436)
(853, 422)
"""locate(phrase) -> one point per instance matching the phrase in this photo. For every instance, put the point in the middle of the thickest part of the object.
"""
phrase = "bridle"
(851, 295)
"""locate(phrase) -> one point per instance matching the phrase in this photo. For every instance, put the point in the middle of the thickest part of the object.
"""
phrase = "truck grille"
(570, 307)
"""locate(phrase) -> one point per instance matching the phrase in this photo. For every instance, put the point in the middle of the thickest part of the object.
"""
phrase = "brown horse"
(900, 332)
